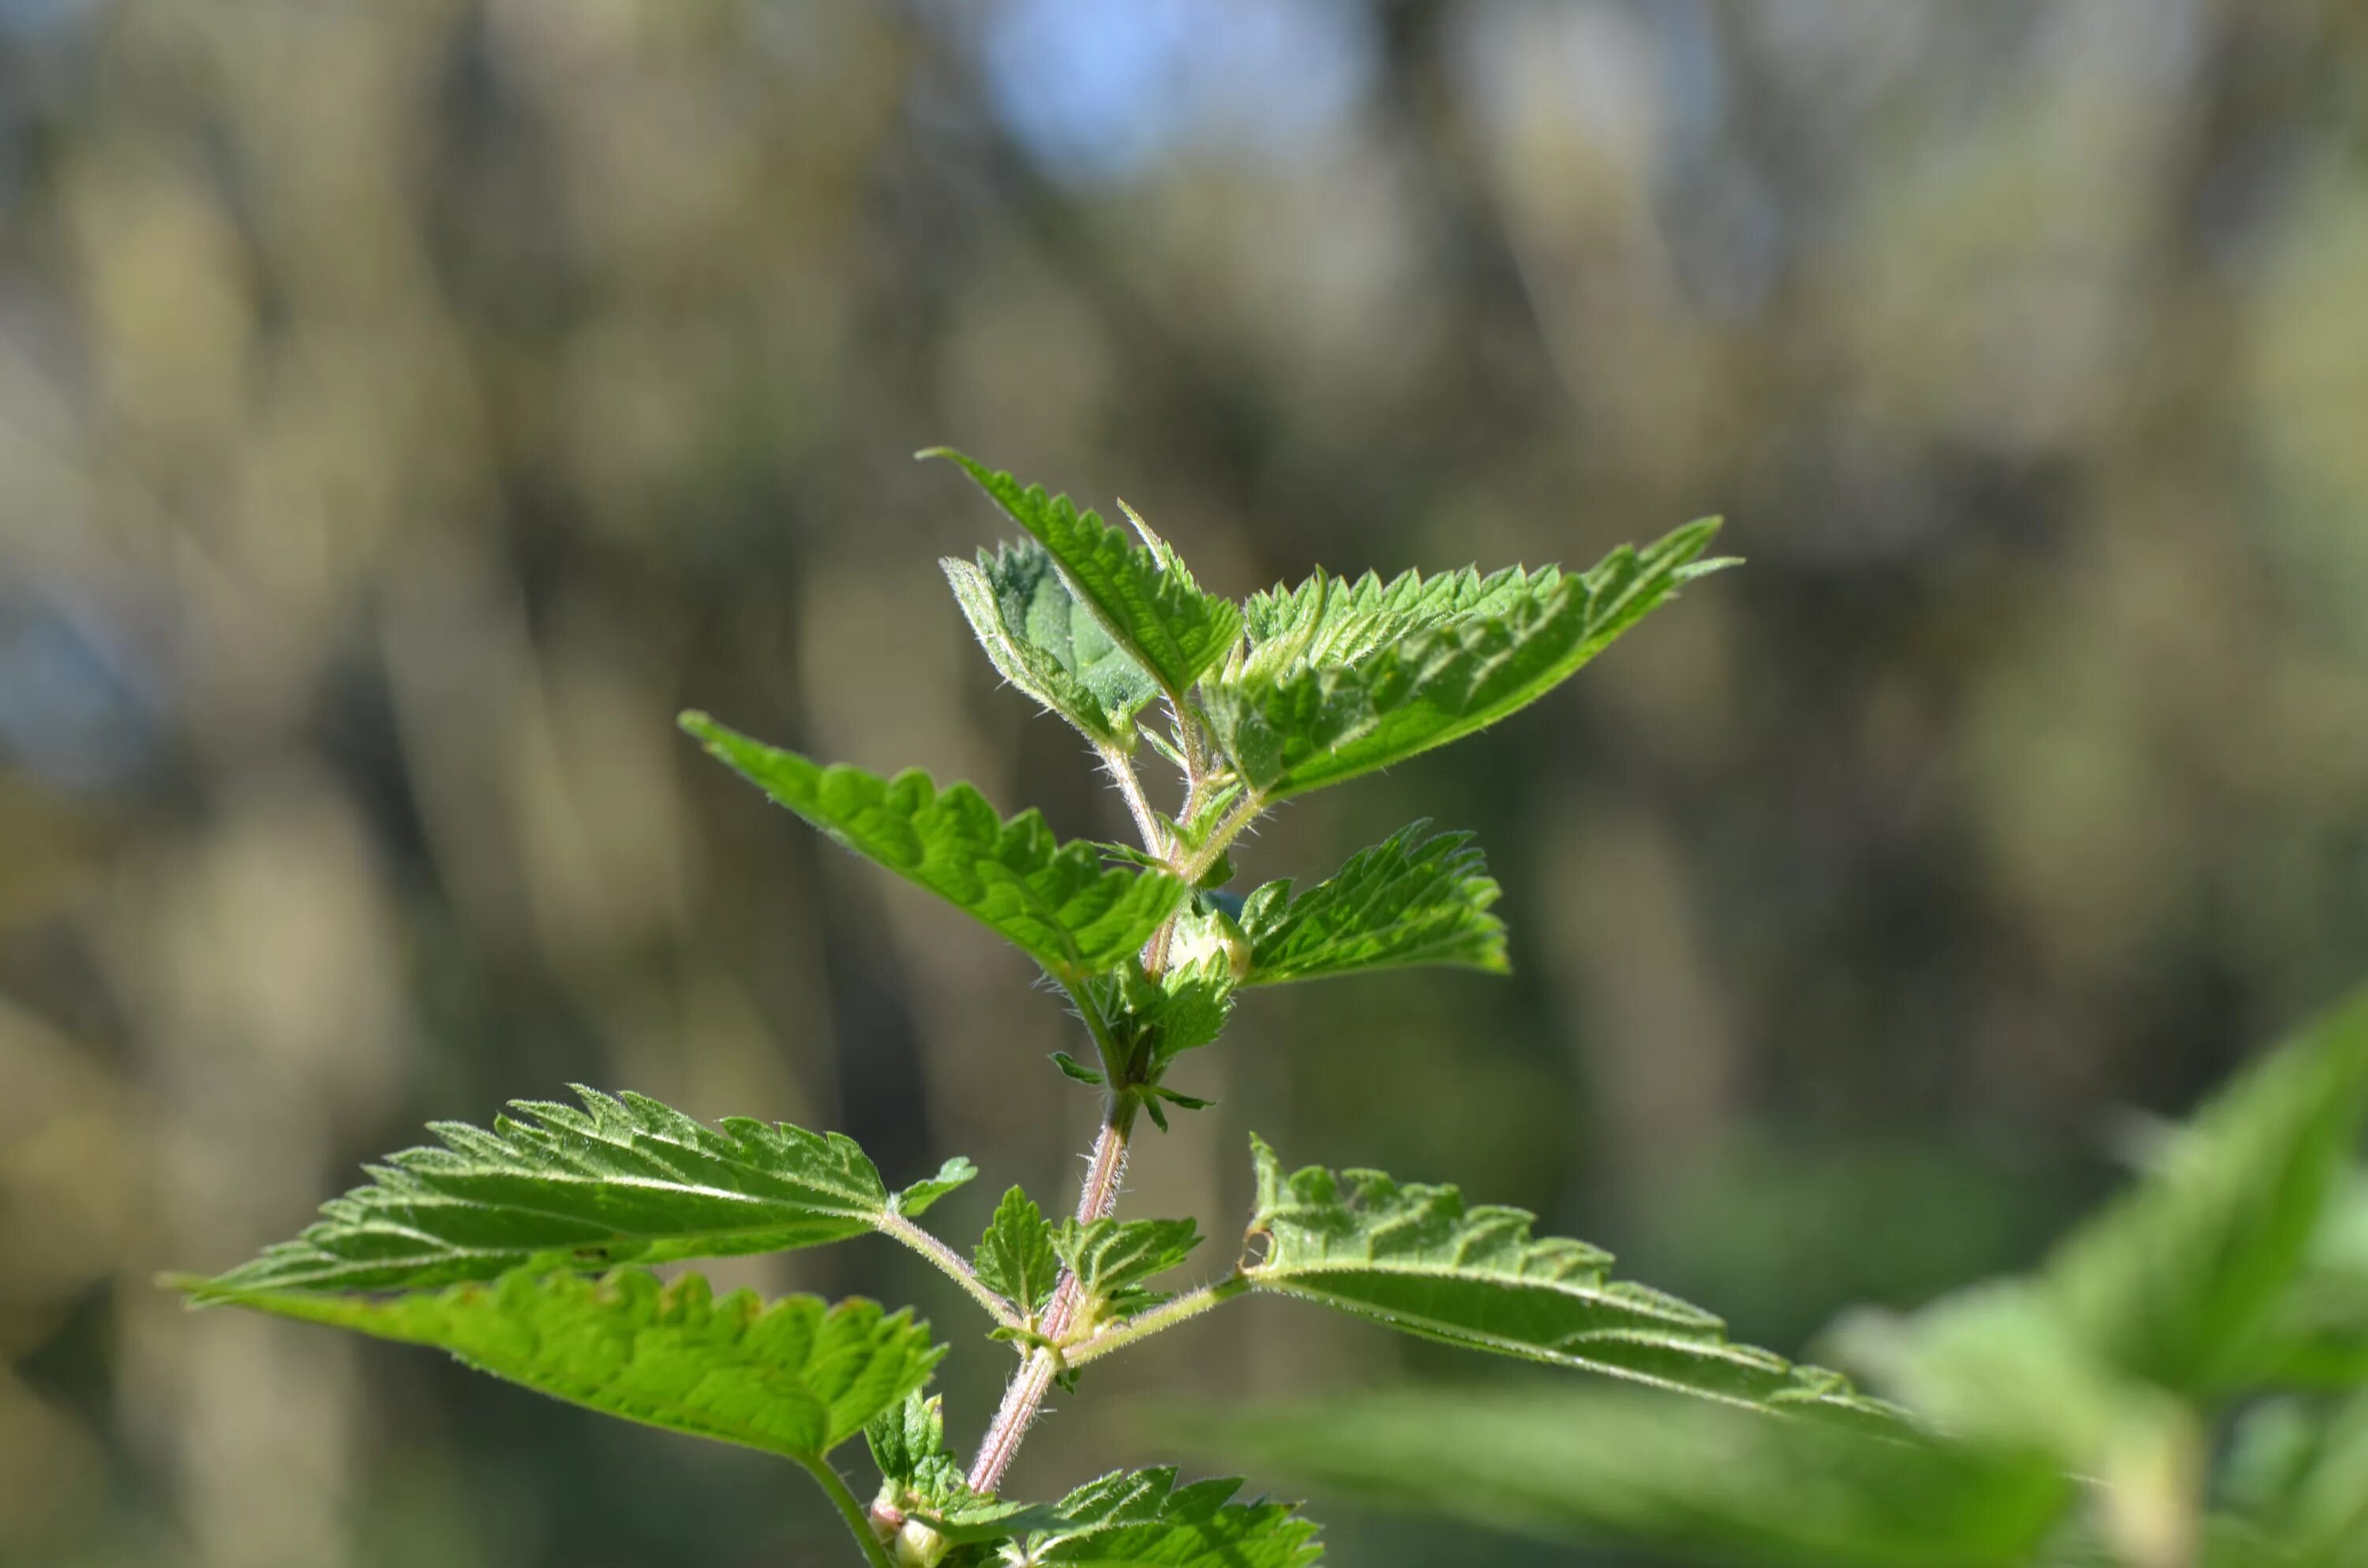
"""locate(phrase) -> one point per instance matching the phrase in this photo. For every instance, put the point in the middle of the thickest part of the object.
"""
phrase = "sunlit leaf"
(1142, 598)
(1418, 1258)
(1408, 900)
(621, 1179)
(1016, 1259)
(1290, 724)
(1048, 645)
(1055, 902)
(797, 1377)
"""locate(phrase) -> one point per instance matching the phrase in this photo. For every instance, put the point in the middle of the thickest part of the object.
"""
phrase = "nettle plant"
(525, 1249)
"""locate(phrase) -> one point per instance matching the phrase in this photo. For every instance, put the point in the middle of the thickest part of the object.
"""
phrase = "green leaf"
(1408, 900)
(2173, 1281)
(1150, 1022)
(1050, 646)
(1666, 1475)
(1016, 1259)
(1416, 1258)
(1144, 1517)
(1055, 902)
(624, 1179)
(1144, 597)
(956, 1172)
(798, 1377)
(1112, 1258)
(1330, 621)
(1290, 724)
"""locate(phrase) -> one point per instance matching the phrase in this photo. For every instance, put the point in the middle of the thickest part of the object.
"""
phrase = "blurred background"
(405, 408)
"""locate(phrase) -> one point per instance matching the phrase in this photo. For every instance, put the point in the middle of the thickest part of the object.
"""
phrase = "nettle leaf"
(1142, 1516)
(1112, 1258)
(1049, 645)
(1055, 902)
(1144, 597)
(1151, 1021)
(1289, 726)
(1016, 1259)
(798, 1377)
(915, 1199)
(2315, 1333)
(1673, 1476)
(1408, 900)
(622, 1179)
(1418, 1258)
(1329, 621)
(2172, 1282)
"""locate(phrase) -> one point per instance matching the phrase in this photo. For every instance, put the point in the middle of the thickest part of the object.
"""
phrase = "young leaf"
(1112, 1258)
(2172, 1282)
(1143, 598)
(1151, 1021)
(1015, 1258)
(1670, 1476)
(1055, 902)
(1417, 1259)
(624, 1179)
(1407, 899)
(796, 1378)
(1050, 646)
(1303, 725)
(956, 1172)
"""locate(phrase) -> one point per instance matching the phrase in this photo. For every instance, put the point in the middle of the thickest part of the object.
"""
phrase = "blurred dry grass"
(405, 408)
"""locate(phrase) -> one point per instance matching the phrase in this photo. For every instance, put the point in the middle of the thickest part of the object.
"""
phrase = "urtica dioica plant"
(525, 1249)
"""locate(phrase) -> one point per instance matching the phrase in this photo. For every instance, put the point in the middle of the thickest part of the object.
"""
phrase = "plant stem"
(1130, 785)
(952, 1264)
(875, 1551)
(1167, 1314)
(1024, 1399)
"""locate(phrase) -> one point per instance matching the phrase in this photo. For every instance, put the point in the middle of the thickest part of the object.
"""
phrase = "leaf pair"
(1089, 623)
(1127, 1516)
(1022, 1255)
(1332, 680)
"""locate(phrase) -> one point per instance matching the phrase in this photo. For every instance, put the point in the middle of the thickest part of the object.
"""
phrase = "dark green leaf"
(1664, 1474)
(1408, 900)
(1144, 597)
(1050, 646)
(621, 1180)
(1016, 1257)
(797, 1378)
(1055, 902)
(1416, 1258)
(1291, 724)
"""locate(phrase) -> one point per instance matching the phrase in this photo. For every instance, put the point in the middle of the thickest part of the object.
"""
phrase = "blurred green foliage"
(404, 409)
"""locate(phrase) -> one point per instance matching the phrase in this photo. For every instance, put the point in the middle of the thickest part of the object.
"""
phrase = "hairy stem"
(952, 1264)
(1024, 1399)
(1167, 1314)
(1130, 785)
(1222, 838)
(875, 1551)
